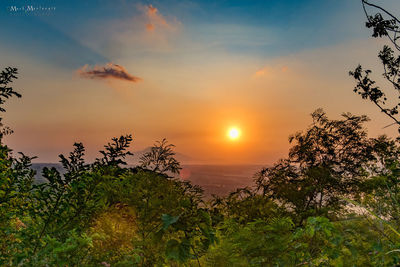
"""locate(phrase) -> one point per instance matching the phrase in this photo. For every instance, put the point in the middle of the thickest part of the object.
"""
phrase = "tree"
(327, 162)
(161, 158)
(16, 178)
(116, 151)
(7, 76)
(383, 24)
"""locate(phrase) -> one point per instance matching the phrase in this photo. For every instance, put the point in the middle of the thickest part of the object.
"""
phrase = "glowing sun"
(234, 133)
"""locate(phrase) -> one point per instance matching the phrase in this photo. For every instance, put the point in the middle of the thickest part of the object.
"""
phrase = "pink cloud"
(109, 71)
(151, 10)
(155, 19)
(150, 27)
(268, 70)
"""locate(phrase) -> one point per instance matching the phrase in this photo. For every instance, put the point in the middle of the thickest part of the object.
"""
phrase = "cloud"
(260, 72)
(143, 30)
(154, 18)
(109, 71)
(150, 27)
(269, 70)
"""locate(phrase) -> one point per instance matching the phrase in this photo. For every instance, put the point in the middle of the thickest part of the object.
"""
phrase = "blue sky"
(262, 29)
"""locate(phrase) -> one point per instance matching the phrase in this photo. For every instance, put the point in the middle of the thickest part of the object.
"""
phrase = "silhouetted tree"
(116, 152)
(74, 164)
(161, 158)
(383, 24)
(7, 76)
(327, 162)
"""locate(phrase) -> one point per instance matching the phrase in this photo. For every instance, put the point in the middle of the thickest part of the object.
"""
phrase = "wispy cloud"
(108, 71)
(155, 19)
(270, 70)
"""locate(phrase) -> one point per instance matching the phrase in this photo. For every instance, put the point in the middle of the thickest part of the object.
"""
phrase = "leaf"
(168, 220)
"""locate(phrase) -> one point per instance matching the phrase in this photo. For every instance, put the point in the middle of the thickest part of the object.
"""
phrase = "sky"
(184, 70)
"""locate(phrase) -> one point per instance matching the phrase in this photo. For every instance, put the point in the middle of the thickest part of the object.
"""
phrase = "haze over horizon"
(185, 70)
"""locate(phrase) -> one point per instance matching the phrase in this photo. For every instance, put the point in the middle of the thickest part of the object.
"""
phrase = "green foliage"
(178, 250)
(112, 233)
(274, 243)
(166, 211)
(161, 219)
(244, 206)
(70, 252)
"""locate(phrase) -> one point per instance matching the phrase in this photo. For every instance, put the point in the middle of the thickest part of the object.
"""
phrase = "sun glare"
(233, 133)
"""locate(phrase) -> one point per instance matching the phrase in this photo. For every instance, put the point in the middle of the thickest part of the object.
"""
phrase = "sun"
(233, 133)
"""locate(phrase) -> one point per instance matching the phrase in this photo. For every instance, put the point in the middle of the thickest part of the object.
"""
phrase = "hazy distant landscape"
(220, 179)
(214, 179)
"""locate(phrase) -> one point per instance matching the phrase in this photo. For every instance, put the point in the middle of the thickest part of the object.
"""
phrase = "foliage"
(327, 161)
(161, 159)
(7, 76)
(383, 24)
(168, 216)
(115, 152)
(243, 206)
